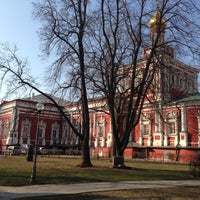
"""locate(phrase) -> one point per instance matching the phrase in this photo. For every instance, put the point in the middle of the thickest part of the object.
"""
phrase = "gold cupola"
(156, 21)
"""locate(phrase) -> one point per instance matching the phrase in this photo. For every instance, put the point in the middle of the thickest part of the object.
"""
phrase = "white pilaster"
(183, 134)
(158, 136)
(165, 140)
(198, 118)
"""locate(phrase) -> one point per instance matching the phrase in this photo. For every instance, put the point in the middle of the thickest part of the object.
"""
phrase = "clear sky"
(18, 27)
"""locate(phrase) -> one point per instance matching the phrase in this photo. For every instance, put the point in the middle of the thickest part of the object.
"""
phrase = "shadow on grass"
(96, 174)
(72, 197)
(114, 175)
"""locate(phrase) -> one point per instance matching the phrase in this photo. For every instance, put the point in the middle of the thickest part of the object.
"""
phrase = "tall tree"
(121, 31)
(63, 34)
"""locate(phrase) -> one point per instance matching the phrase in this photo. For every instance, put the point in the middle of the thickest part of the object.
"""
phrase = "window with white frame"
(146, 128)
(55, 132)
(172, 128)
(25, 130)
(146, 125)
(171, 123)
(6, 128)
(1, 128)
(101, 128)
(65, 133)
(41, 130)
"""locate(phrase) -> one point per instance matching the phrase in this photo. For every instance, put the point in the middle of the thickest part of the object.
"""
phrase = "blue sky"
(18, 27)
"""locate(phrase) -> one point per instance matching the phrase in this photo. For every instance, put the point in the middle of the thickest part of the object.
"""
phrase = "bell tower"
(157, 25)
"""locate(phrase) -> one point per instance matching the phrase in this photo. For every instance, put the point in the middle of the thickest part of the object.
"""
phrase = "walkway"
(8, 193)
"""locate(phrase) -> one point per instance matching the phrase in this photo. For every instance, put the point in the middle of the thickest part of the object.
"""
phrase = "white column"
(183, 119)
(109, 136)
(20, 140)
(149, 141)
(103, 142)
(156, 122)
(198, 118)
(158, 129)
(176, 132)
(165, 140)
(183, 134)
(28, 140)
(141, 133)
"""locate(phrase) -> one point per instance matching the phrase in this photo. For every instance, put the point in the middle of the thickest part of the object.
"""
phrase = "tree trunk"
(86, 162)
(117, 156)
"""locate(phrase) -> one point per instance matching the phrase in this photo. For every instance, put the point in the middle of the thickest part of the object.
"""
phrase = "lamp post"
(40, 108)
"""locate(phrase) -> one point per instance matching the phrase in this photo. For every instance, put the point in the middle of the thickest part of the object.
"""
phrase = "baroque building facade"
(168, 129)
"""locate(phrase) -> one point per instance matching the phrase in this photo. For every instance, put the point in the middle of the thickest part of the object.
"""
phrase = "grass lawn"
(16, 171)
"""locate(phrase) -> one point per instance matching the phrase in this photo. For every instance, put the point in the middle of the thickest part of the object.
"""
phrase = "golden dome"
(155, 20)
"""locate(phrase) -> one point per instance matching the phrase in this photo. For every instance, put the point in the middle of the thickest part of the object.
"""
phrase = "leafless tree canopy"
(119, 33)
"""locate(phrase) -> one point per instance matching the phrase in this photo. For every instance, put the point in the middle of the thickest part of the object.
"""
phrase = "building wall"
(19, 119)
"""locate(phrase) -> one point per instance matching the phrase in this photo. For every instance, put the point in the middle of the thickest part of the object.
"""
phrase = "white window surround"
(171, 124)
(25, 131)
(101, 131)
(6, 128)
(42, 130)
(101, 128)
(171, 128)
(145, 125)
(65, 133)
(1, 128)
(145, 129)
(25, 128)
(55, 133)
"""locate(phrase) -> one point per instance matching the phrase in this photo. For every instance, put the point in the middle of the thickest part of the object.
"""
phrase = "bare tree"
(120, 36)
(63, 34)
(15, 74)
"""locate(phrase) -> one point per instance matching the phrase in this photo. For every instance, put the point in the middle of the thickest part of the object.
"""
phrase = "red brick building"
(169, 127)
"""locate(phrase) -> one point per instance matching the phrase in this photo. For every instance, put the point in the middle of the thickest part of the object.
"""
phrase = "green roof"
(194, 97)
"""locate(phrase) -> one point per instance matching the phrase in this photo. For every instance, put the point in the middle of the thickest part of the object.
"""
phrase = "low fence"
(60, 152)
(167, 156)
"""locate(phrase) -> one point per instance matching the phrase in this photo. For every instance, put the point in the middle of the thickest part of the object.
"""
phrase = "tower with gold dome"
(157, 25)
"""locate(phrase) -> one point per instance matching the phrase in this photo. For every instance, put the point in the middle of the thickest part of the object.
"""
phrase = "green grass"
(16, 171)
